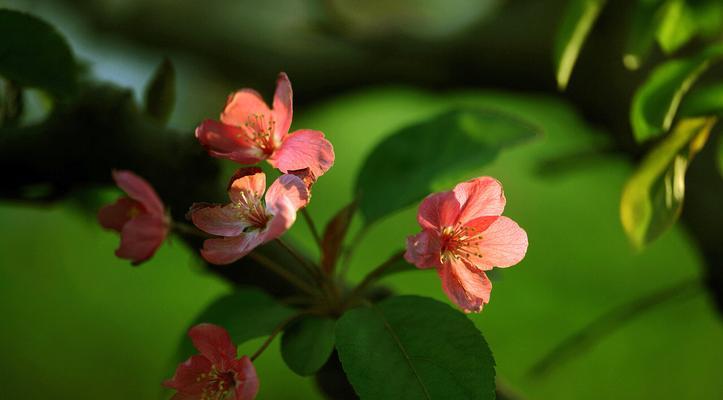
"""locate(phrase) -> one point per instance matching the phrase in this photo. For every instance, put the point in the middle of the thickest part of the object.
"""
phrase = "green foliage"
(677, 26)
(703, 100)
(246, 313)
(653, 196)
(413, 347)
(307, 344)
(656, 102)
(333, 238)
(29, 47)
(160, 94)
(452, 145)
(577, 22)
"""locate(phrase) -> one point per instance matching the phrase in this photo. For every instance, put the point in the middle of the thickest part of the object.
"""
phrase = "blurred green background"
(79, 323)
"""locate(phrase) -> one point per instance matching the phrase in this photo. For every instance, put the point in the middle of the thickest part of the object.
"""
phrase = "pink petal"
(284, 215)
(469, 290)
(247, 384)
(423, 249)
(283, 108)
(214, 343)
(438, 210)
(479, 197)
(140, 190)
(290, 188)
(247, 182)
(243, 104)
(141, 237)
(218, 220)
(186, 378)
(304, 149)
(224, 251)
(114, 216)
(229, 142)
(503, 244)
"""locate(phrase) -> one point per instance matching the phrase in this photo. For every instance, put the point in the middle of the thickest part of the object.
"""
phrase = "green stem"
(372, 277)
(283, 273)
(278, 329)
(349, 251)
(312, 227)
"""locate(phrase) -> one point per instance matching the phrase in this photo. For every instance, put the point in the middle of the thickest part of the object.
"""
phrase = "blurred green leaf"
(451, 146)
(644, 24)
(703, 100)
(656, 102)
(246, 314)
(160, 94)
(333, 238)
(577, 22)
(34, 54)
(677, 27)
(412, 347)
(11, 103)
(307, 344)
(652, 198)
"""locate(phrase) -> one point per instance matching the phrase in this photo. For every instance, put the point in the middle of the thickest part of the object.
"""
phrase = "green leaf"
(34, 54)
(412, 347)
(246, 314)
(703, 100)
(579, 18)
(161, 92)
(333, 238)
(652, 198)
(677, 27)
(645, 22)
(656, 102)
(720, 154)
(451, 146)
(307, 344)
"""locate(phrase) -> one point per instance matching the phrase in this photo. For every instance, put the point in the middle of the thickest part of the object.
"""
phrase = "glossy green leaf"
(451, 146)
(652, 198)
(413, 347)
(246, 314)
(656, 102)
(34, 54)
(703, 100)
(307, 344)
(677, 26)
(577, 22)
(160, 94)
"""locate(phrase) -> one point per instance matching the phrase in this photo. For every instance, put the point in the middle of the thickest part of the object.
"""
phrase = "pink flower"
(139, 218)
(464, 235)
(216, 373)
(247, 222)
(250, 132)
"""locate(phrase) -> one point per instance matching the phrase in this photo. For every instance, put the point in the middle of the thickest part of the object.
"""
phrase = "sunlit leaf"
(34, 54)
(577, 22)
(412, 347)
(307, 344)
(652, 198)
(677, 27)
(451, 146)
(160, 94)
(656, 102)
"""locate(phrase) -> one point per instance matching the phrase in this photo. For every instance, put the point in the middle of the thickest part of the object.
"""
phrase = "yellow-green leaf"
(579, 18)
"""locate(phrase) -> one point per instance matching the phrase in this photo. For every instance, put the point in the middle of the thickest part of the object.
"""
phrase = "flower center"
(252, 211)
(460, 243)
(219, 385)
(261, 132)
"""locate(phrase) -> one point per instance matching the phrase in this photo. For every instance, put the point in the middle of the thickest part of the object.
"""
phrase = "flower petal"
(224, 251)
(241, 105)
(301, 149)
(470, 290)
(218, 220)
(140, 190)
(479, 197)
(214, 343)
(141, 237)
(423, 249)
(287, 187)
(186, 379)
(438, 210)
(246, 182)
(503, 244)
(283, 106)
(114, 216)
(247, 382)
(229, 142)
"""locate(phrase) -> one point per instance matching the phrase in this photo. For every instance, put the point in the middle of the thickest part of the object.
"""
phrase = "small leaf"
(656, 102)
(34, 54)
(412, 347)
(246, 314)
(580, 16)
(652, 198)
(405, 166)
(703, 100)
(334, 234)
(644, 25)
(161, 92)
(307, 344)
(677, 27)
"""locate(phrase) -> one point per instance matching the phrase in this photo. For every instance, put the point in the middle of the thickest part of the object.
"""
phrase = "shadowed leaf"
(307, 344)
(160, 94)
